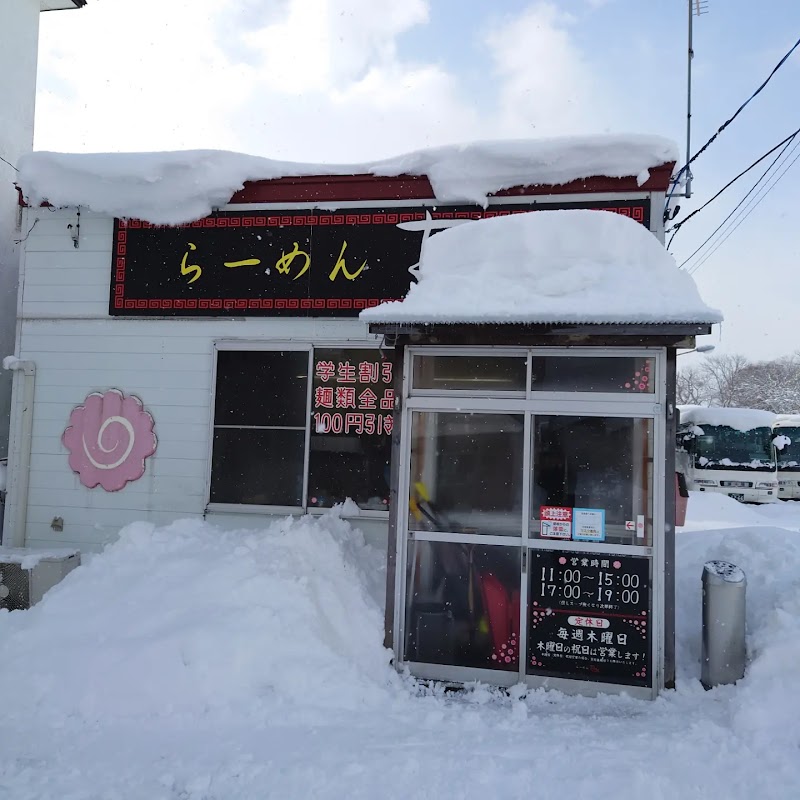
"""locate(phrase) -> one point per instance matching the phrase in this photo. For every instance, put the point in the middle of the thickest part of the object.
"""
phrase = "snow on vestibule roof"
(173, 188)
(565, 266)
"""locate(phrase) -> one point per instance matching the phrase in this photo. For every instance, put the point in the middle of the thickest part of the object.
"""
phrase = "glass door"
(589, 599)
(465, 523)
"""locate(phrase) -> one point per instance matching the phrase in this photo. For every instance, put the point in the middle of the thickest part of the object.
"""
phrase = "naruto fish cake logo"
(108, 438)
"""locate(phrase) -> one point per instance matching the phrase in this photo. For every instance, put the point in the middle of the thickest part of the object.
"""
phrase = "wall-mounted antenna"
(696, 9)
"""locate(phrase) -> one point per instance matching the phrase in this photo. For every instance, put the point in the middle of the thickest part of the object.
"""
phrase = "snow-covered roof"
(740, 419)
(177, 187)
(567, 266)
(787, 421)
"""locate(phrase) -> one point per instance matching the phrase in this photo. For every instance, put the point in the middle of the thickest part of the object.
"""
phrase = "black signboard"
(310, 262)
(590, 617)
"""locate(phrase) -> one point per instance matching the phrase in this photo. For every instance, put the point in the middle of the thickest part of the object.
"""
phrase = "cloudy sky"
(355, 80)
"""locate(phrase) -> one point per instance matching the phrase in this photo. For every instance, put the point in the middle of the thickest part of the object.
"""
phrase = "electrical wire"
(728, 122)
(9, 164)
(764, 174)
(678, 225)
(758, 200)
(740, 221)
(748, 208)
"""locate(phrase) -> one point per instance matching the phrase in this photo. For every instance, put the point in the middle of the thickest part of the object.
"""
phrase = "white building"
(19, 47)
(218, 368)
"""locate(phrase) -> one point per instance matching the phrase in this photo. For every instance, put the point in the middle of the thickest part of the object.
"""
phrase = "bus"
(730, 451)
(788, 426)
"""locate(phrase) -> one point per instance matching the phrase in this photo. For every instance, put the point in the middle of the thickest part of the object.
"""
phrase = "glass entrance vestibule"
(530, 517)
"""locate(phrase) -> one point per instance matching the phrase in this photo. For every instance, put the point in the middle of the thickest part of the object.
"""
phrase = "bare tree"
(691, 387)
(722, 376)
(771, 385)
(732, 380)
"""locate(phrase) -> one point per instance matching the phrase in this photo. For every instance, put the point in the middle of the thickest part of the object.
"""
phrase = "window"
(597, 469)
(465, 472)
(617, 374)
(472, 373)
(302, 428)
(722, 447)
(789, 454)
(463, 604)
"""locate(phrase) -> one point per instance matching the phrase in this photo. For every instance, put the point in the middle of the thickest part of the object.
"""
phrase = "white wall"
(66, 331)
(19, 38)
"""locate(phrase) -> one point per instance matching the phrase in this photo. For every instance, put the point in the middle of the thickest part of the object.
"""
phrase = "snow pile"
(176, 187)
(740, 419)
(781, 442)
(548, 266)
(764, 707)
(188, 618)
(269, 644)
(713, 510)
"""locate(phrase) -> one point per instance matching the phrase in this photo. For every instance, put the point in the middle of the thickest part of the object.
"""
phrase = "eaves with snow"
(569, 266)
(172, 188)
(539, 267)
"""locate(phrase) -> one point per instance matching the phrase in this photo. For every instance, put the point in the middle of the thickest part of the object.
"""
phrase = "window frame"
(649, 406)
(413, 394)
(275, 345)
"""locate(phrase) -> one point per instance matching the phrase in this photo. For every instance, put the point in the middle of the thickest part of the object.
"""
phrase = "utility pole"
(696, 8)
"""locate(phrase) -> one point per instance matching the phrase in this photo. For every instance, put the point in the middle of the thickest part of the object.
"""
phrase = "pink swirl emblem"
(108, 438)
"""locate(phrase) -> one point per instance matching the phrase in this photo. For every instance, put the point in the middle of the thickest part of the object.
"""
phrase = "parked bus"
(731, 451)
(788, 425)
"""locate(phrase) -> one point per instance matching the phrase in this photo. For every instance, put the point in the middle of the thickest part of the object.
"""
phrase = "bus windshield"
(721, 447)
(789, 456)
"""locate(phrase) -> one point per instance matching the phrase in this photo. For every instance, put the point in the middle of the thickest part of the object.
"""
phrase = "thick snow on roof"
(740, 419)
(787, 420)
(177, 187)
(548, 266)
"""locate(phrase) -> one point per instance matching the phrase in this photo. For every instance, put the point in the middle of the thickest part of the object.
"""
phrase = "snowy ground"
(187, 664)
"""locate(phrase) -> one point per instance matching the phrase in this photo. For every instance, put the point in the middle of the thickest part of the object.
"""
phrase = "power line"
(678, 225)
(9, 164)
(739, 218)
(758, 201)
(738, 205)
(728, 122)
(739, 222)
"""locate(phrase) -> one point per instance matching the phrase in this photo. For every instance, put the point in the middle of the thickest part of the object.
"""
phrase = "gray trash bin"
(723, 655)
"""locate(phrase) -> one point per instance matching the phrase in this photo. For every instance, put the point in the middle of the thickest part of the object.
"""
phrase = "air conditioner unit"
(26, 574)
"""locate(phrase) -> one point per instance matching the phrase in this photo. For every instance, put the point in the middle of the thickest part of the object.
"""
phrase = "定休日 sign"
(590, 617)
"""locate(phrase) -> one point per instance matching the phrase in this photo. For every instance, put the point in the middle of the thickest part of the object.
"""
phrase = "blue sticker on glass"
(588, 524)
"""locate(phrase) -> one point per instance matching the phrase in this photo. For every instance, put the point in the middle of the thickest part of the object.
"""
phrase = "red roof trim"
(324, 188)
(327, 188)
